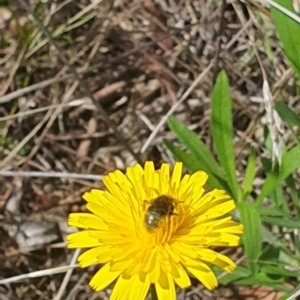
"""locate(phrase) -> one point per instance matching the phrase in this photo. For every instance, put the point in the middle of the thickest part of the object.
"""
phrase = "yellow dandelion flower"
(153, 227)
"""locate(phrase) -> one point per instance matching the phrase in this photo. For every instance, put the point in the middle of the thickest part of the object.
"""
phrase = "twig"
(13, 70)
(39, 273)
(31, 88)
(282, 9)
(77, 287)
(67, 276)
(78, 102)
(25, 140)
(175, 106)
(50, 175)
(296, 294)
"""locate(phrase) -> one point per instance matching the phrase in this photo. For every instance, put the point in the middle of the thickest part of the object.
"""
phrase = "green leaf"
(264, 278)
(257, 281)
(286, 114)
(282, 222)
(252, 234)
(271, 212)
(239, 273)
(188, 160)
(278, 270)
(199, 151)
(270, 238)
(153, 292)
(249, 176)
(288, 31)
(294, 194)
(290, 163)
(221, 128)
(278, 198)
(269, 185)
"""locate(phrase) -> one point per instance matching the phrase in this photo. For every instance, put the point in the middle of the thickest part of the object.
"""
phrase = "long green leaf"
(286, 114)
(269, 185)
(289, 32)
(290, 163)
(272, 212)
(198, 149)
(188, 160)
(258, 281)
(282, 222)
(239, 273)
(269, 237)
(221, 127)
(191, 163)
(278, 270)
(277, 196)
(294, 194)
(249, 176)
(252, 234)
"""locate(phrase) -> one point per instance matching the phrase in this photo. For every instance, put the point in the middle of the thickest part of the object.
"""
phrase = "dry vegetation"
(136, 59)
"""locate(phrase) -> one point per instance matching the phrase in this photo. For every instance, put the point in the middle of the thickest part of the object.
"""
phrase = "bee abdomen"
(152, 220)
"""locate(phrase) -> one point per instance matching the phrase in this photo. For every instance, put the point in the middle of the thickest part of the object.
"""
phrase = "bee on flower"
(154, 227)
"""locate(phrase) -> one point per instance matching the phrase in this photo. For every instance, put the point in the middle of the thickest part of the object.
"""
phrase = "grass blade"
(252, 234)
(281, 222)
(197, 148)
(249, 176)
(288, 31)
(190, 162)
(221, 127)
(286, 114)
(290, 162)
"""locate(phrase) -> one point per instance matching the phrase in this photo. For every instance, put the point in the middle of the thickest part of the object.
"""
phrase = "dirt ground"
(86, 100)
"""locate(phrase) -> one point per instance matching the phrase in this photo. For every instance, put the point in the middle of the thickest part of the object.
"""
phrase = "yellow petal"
(116, 217)
(198, 179)
(165, 288)
(86, 221)
(101, 254)
(135, 173)
(95, 196)
(139, 288)
(155, 273)
(149, 172)
(176, 175)
(220, 209)
(113, 187)
(183, 248)
(183, 279)
(164, 172)
(122, 180)
(217, 259)
(121, 289)
(103, 278)
(83, 239)
(230, 226)
(205, 275)
(164, 179)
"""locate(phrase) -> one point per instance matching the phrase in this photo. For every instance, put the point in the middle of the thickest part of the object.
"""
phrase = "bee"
(159, 209)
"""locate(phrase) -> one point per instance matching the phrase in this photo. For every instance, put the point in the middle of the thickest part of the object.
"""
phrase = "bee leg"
(146, 203)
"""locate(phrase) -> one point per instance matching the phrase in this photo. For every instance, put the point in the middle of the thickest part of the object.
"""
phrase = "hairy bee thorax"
(158, 211)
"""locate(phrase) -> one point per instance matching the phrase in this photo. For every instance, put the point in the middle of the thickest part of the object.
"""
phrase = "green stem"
(153, 292)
